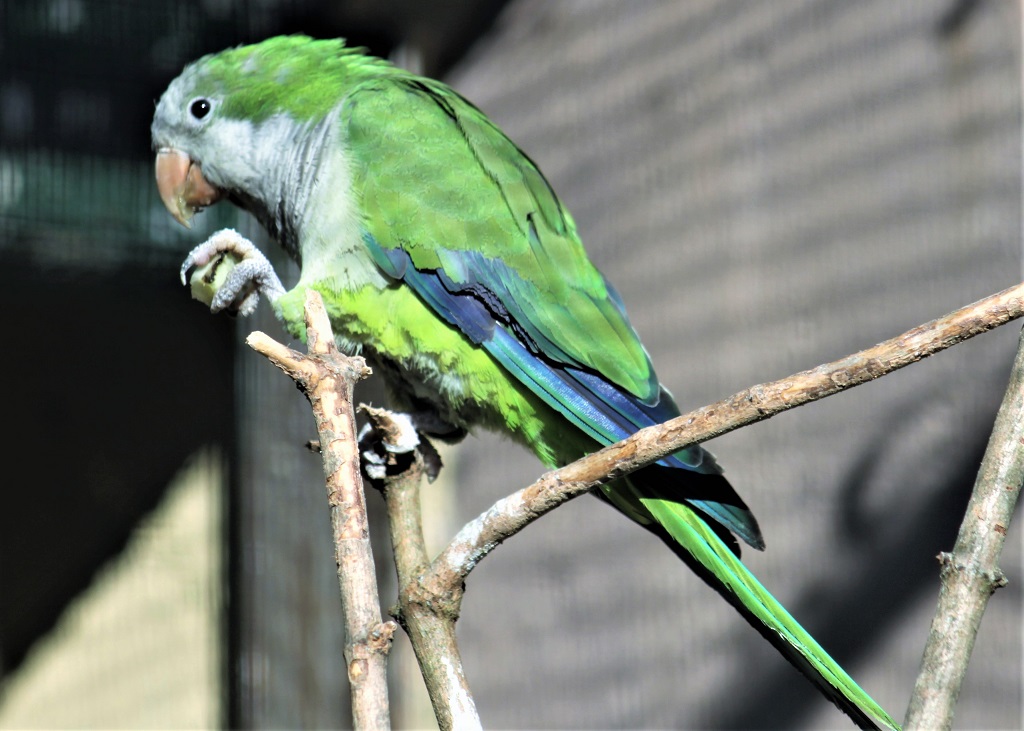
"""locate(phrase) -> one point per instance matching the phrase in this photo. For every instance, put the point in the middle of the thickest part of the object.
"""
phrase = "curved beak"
(183, 189)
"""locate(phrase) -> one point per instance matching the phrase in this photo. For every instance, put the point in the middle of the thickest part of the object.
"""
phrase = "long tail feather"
(727, 573)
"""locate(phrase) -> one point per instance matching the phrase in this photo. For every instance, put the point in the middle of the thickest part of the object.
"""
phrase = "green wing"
(454, 209)
(441, 183)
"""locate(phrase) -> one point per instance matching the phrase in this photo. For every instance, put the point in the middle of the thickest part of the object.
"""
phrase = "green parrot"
(445, 258)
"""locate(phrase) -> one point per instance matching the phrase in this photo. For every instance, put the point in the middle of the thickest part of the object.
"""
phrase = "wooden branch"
(970, 574)
(431, 592)
(511, 514)
(428, 616)
(327, 378)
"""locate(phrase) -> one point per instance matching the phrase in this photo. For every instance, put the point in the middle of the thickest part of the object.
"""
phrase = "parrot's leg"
(251, 276)
(387, 442)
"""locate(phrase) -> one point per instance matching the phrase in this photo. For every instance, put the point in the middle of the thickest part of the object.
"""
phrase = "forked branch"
(433, 591)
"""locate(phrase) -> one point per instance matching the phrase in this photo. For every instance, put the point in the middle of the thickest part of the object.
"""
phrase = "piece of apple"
(207, 279)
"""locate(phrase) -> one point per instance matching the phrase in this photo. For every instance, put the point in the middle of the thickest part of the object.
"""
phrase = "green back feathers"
(439, 181)
(295, 74)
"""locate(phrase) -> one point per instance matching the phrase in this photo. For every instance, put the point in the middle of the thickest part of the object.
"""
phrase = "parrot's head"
(185, 134)
(231, 125)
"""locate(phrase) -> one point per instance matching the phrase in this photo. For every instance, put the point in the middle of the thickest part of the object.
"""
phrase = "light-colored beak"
(183, 189)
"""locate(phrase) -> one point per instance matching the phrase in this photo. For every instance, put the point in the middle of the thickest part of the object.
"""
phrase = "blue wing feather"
(599, 408)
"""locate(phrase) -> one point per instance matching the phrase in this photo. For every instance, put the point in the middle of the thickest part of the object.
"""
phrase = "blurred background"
(769, 185)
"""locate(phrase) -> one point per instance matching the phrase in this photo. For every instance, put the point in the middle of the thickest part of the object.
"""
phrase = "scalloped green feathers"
(292, 74)
(442, 183)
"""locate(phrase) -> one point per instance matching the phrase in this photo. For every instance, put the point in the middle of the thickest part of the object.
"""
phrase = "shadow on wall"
(898, 543)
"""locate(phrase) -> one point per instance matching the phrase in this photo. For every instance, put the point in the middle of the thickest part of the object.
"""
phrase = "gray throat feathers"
(293, 155)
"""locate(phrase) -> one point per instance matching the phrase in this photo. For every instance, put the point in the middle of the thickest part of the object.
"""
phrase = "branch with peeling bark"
(513, 513)
(327, 378)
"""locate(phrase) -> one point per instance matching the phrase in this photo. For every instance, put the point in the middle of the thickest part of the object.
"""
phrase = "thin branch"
(327, 378)
(970, 574)
(511, 514)
(427, 616)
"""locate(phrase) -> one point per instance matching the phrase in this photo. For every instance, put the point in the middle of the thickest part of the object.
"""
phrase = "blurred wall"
(770, 186)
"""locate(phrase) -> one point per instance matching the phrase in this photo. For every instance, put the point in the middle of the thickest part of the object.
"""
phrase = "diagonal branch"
(511, 514)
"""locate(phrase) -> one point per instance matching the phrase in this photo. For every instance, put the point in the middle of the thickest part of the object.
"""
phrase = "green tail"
(687, 529)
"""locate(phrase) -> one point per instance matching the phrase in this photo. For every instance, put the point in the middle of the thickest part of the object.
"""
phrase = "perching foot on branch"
(388, 442)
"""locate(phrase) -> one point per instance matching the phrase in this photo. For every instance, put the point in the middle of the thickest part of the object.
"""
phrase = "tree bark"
(327, 378)
(970, 574)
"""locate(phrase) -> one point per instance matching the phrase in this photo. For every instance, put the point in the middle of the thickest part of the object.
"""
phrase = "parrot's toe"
(228, 273)
(388, 444)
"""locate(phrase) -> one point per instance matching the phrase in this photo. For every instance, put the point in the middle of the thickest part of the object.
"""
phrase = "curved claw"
(240, 291)
(388, 441)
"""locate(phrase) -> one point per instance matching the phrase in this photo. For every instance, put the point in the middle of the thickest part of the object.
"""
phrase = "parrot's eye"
(200, 107)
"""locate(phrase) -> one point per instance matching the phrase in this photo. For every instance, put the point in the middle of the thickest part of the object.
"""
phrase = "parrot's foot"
(388, 443)
(228, 272)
